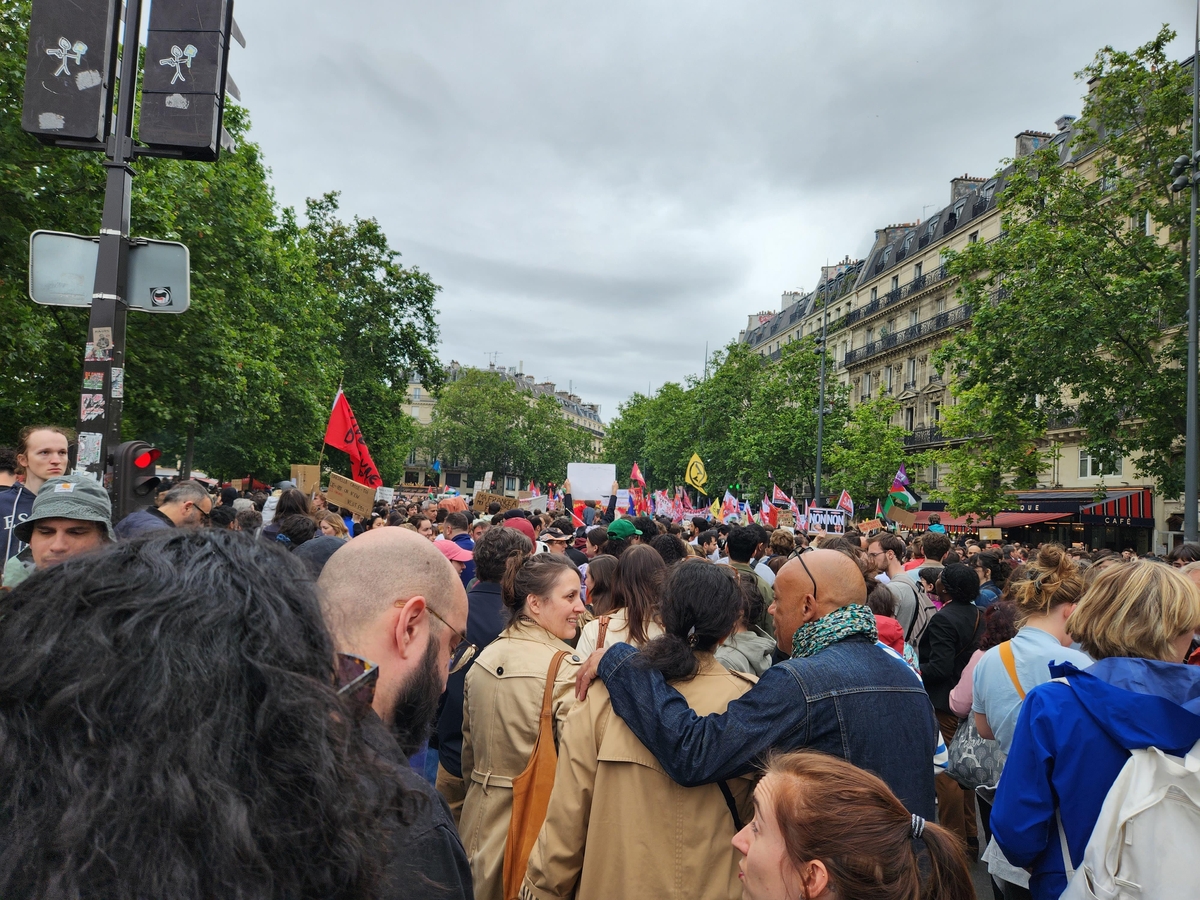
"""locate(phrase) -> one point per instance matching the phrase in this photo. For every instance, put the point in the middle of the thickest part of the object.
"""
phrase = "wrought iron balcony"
(895, 296)
(910, 385)
(940, 322)
(924, 436)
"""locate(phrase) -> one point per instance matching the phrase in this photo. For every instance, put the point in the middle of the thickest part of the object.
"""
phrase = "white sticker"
(89, 449)
(118, 382)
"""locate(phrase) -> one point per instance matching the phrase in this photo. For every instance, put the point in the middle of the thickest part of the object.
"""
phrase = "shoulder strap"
(548, 695)
(603, 631)
(1010, 663)
(728, 795)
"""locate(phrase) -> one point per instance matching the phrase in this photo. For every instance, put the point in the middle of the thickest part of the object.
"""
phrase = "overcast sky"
(601, 188)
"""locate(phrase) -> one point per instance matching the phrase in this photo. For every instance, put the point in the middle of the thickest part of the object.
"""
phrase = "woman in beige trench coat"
(502, 702)
(617, 825)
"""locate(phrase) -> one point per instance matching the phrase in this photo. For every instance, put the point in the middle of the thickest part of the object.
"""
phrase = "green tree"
(487, 423)
(1076, 308)
(865, 459)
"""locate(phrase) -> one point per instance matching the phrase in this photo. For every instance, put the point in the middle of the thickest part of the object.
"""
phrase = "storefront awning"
(1018, 519)
(1137, 504)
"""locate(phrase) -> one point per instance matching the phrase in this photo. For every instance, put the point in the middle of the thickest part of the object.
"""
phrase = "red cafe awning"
(1017, 519)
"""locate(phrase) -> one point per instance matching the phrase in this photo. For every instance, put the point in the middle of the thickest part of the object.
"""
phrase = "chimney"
(1030, 141)
(888, 235)
(1064, 122)
(962, 185)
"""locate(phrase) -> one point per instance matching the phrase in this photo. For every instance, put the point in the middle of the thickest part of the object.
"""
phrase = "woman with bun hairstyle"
(617, 825)
(825, 829)
(502, 702)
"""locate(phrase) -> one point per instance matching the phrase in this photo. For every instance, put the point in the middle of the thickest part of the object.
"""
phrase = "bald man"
(840, 692)
(391, 597)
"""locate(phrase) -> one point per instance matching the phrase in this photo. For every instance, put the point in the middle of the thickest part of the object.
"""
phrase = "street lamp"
(1185, 173)
(821, 397)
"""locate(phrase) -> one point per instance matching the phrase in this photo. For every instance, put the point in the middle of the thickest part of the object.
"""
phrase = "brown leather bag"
(531, 793)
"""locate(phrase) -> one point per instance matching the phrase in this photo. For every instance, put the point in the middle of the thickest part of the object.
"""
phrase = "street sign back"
(62, 272)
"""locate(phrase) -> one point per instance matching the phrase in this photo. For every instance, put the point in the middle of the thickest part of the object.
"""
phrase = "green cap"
(622, 529)
(69, 497)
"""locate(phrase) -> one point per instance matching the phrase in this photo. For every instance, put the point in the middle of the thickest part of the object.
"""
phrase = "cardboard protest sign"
(786, 519)
(347, 494)
(307, 478)
(483, 499)
(902, 516)
(868, 527)
(386, 494)
(534, 504)
(591, 481)
(991, 534)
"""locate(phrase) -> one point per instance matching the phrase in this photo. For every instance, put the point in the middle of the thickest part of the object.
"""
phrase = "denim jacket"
(851, 700)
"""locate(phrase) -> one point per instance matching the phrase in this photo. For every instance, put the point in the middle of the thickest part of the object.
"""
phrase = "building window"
(935, 413)
(416, 411)
(973, 237)
(910, 415)
(453, 479)
(870, 335)
(510, 482)
(874, 293)
(940, 306)
(1090, 466)
(933, 475)
(917, 270)
(887, 378)
(895, 282)
(416, 393)
(866, 386)
(845, 350)
(912, 318)
(910, 370)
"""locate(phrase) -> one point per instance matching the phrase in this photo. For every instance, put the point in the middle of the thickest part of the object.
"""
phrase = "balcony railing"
(935, 378)
(864, 396)
(922, 436)
(895, 296)
(940, 322)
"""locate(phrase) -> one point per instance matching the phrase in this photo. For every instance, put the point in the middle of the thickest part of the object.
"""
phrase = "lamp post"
(1184, 171)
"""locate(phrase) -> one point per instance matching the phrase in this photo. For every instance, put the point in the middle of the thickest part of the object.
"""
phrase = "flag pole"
(321, 458)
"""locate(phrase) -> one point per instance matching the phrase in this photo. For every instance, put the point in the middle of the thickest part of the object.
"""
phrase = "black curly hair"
(170, 727)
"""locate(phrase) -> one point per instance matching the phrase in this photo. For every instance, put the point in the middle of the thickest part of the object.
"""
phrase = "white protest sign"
(385, 494)
(832, 520)
(591, 481)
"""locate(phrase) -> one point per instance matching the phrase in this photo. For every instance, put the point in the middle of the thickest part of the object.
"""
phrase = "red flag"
(769, 514)
(636, 475)
(779, 496)
(343, 433)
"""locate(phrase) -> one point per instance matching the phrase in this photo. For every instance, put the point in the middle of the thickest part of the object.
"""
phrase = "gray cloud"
(602, 188)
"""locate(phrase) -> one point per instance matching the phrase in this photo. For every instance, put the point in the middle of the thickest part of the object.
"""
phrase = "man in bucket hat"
(71, 515)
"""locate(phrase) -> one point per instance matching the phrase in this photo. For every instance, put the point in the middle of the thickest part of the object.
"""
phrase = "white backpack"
(1145, 842)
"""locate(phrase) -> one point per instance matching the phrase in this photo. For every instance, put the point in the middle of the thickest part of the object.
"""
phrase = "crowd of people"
(256, 695)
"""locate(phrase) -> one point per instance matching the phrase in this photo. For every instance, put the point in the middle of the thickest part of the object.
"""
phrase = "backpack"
(1147, 833)
(924, 612)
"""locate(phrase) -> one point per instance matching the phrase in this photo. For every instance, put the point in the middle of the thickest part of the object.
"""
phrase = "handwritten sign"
(347, 494)
(786, 519)
(483, 499)
(868, 527)
(902, 516)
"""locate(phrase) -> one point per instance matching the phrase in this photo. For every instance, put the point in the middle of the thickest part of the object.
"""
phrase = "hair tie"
(691, 636)
(918, 826)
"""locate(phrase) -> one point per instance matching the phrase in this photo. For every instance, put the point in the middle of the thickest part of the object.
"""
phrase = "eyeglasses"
(809, 574)
(464, 650)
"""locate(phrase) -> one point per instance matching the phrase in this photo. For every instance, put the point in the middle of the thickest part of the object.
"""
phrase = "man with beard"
(390, 597)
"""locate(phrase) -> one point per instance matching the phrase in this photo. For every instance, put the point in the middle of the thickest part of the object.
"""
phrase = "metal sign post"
(103, 389)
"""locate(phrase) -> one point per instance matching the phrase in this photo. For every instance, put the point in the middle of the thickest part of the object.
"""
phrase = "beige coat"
(618, 827)
(502, 699)
(618, 631)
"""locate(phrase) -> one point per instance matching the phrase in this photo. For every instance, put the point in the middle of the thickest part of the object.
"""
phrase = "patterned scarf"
(813, 637)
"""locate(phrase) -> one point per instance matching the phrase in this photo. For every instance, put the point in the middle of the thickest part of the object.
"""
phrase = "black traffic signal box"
(134, 477)
(70, 70)
(183, 84)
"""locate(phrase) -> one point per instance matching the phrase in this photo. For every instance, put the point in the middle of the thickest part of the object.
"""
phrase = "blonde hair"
(1048, 580)
(339, 526)
(1136, 610)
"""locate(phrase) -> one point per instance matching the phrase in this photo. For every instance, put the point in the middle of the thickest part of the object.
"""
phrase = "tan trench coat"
(502, 698)
(618, 827)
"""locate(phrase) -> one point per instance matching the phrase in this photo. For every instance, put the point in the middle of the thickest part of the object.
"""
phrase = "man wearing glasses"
(186, 504)
(839, 692)
(391, 598)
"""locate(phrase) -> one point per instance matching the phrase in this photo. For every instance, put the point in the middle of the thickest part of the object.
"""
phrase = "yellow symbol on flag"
(715, 509)
(696, 475)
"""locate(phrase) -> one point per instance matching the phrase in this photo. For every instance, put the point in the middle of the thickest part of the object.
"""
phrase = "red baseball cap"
(454, 552)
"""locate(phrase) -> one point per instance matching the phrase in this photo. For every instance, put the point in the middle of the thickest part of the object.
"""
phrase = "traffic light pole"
(104, 352)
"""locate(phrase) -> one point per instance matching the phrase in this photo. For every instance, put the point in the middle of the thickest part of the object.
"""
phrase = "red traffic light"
(146, 457)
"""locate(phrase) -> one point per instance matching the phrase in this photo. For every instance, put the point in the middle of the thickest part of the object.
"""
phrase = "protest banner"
(533, 504)
(902, 516)
(347, 494)
(833, 521)
(307, 478)
(483, 499)
(591, 481)
(386, 494)
(991, 534)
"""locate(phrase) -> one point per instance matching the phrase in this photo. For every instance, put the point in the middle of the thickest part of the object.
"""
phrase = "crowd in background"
(257, 694)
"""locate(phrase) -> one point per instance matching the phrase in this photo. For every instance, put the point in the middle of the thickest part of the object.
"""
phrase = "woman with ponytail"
(502, 702)
(617, 826)
(825, 829)
(1045, 592)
